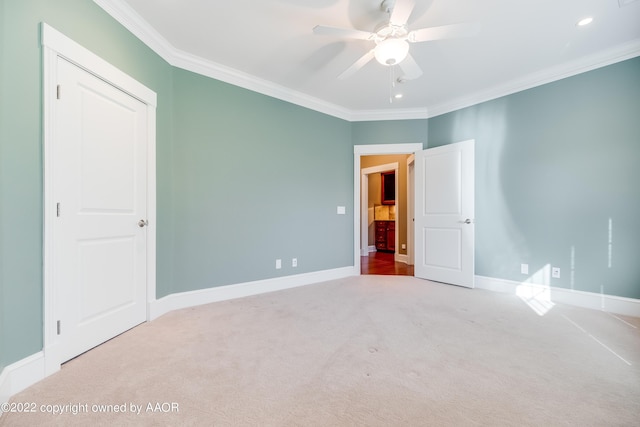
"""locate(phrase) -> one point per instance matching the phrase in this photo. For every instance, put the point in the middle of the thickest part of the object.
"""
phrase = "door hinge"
(58, 209)
(58, 327)
(58, 92)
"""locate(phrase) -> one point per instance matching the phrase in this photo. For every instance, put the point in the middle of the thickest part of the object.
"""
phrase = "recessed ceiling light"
(398, 96)
(585, 21)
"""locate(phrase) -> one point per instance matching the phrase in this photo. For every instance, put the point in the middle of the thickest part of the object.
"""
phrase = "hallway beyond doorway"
(384, 264)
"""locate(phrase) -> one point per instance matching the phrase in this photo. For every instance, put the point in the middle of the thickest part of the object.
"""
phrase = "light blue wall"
(3, 321)
(554, 166)
(390, 132)
(256, 179)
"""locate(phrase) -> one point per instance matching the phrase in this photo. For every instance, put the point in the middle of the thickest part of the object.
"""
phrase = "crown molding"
(389, 114)
(132, 21)
(548, 75)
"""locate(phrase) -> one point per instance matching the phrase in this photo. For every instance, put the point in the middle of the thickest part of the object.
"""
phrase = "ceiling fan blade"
(442, 32)
(356, 65)
(401, 12)
(342, 32)
(410, 68)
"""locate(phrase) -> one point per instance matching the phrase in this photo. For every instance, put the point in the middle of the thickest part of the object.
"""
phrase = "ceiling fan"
(392, 39)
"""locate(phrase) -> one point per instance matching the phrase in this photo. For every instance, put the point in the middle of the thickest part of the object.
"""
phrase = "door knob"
(467, 221)
(142, 223)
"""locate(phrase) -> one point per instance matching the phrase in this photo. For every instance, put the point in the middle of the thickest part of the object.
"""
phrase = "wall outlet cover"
(555, 272)
(524, 268)
(278, 264)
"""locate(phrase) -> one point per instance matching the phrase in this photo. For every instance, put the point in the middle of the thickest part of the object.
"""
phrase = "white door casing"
(99, 149)
(410, 209)
(445, 214)
(368, 150)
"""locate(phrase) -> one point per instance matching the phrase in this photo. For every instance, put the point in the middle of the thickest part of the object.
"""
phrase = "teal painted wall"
(3, 101)
(390, 132)
(555, 166)
(256, 179)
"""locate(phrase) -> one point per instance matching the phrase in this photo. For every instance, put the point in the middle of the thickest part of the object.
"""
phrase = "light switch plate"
(342, 210)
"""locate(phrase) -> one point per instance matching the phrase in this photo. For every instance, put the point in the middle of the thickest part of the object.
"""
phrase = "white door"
(100, 188)
(444, 214)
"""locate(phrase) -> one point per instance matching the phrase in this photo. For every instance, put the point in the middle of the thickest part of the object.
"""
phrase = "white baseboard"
(20, 375)
(366, 251)
(608, 303)
(221, 293)
(402, 258)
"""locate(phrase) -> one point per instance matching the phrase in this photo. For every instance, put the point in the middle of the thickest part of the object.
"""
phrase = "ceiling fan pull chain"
(392, 85)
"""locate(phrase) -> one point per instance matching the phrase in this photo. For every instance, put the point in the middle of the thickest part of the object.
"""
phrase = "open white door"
(444, 214)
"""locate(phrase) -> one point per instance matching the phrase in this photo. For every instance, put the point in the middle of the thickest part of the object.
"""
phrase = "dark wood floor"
(383, 263)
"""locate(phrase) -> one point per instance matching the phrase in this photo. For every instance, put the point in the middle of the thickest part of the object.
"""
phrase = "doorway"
(386, 263)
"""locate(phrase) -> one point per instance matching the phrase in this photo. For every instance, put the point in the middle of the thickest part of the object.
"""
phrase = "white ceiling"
(268, 46)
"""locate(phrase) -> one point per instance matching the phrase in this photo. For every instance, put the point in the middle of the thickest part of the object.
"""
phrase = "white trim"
(395, 114)
(54, 45)
(368, 150)
(410, 208)
(239, 290)
(20, 375)
(131, 20)
(607, 303)
(402, 258)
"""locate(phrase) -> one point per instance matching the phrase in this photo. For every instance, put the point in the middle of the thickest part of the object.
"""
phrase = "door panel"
(100, 183)
(445, 255)
(444, 214)
(107, 140)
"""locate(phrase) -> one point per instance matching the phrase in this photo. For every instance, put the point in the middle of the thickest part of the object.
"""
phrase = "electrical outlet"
(278, 264)
(294, 262)
(555, 272)
(404, 246)
(524, 268)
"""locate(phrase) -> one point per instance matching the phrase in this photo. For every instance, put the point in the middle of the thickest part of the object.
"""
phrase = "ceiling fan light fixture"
(391, 51)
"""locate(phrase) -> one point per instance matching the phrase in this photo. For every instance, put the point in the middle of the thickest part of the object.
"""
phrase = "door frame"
(411, 198)
(54, 45)
(370, 150)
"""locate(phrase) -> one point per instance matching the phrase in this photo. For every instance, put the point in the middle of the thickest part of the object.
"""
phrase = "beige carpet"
(368, 350)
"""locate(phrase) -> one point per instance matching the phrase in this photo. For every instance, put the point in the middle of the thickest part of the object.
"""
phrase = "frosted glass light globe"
(391, 51)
